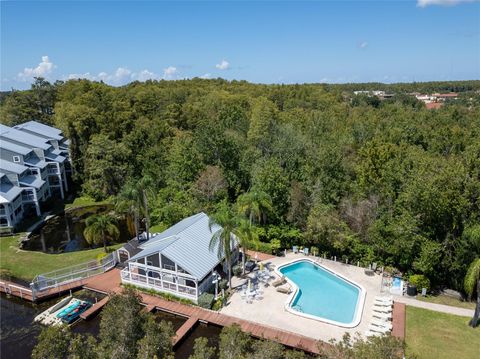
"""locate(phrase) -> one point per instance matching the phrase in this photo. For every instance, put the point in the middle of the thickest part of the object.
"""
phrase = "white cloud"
(425, 3)
(86, 75)
(223, 65)
(206, 76)
(144, 75)
(170, 72)
(363, 45)
(43, 69)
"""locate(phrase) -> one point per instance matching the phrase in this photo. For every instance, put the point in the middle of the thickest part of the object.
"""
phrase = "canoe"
(68, 309)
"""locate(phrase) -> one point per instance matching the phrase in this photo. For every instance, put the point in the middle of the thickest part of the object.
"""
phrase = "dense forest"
(372, 181)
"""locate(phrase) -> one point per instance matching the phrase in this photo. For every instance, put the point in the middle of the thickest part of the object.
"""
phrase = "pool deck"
(271, 309)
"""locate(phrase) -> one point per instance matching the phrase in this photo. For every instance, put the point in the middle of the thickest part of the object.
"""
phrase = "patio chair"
(381, 303)
(381, 324)
(305, 251)
(295, 249)
(374, 267)
(369, 333)
(382, 309)
(279, 282)
(284, 289)
(384, 298)
(383, 316)
(374, 328)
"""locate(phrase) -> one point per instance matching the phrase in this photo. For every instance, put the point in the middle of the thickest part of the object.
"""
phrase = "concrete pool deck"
(271, 309)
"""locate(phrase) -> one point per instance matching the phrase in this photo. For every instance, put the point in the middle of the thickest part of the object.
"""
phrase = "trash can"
(412, 290)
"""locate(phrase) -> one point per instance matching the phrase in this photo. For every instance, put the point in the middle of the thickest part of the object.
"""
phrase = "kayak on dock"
(75, 314)
(66, 311)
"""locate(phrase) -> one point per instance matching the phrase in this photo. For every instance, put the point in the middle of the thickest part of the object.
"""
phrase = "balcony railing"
(158, 283)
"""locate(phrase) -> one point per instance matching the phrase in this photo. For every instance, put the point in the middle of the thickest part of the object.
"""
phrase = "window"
(16, 159)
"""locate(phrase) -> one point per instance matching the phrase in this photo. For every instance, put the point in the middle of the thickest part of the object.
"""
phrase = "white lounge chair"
(384, 316)
(381, 323)
(382, 304)
(374, 328)
(380, 300)
(384, 298)
(369, 333)
(382, 309)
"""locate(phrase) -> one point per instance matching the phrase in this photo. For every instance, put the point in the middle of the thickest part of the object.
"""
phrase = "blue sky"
(267, 42)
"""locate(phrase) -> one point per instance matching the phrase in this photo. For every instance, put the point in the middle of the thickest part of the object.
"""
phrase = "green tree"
(53, 343)
(100, 228)
(234, 344)
(83, 347)
(267, 349)
(201, 349)
(223, 240)
(472, 283)
(121, 326)
(130, 200)
(254, 205)
(157, 341)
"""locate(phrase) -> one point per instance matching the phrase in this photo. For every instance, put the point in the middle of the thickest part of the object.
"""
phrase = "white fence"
(70, 274)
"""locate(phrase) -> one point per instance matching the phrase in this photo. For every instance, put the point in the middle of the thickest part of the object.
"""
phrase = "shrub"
(314, 251)
(205, 300)
(263, 247)
(420, 281)
(218, 304)
(275, 245)
(100, 256)
(237, 270)
(223, 284)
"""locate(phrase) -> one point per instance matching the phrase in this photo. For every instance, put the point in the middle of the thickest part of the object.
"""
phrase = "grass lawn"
(446, 300)
(26, 265)
(434, 335)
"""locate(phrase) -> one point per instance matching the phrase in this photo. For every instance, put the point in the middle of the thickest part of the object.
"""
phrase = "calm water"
(64, 233)
(18, 332)
(322, 293)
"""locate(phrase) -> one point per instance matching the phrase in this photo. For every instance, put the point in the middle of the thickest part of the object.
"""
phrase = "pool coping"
(359, 305)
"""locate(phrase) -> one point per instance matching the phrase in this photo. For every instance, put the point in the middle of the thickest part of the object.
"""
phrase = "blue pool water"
(321, 293)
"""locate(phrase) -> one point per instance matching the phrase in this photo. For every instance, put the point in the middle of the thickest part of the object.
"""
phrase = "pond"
(18, 332)
(64, 233)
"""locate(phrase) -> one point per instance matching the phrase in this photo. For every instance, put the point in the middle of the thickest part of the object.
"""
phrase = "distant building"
(34, 162)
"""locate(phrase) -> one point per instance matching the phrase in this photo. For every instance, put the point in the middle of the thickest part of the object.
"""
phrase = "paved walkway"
(434, 306)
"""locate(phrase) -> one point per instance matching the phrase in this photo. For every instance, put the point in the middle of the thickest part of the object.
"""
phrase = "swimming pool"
(322, 294)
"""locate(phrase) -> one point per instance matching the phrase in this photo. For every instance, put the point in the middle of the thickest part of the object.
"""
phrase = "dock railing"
(77, 272)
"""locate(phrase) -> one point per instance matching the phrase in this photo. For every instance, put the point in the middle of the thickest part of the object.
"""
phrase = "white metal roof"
(24, 137)
(41, 129)
(13, 147)
(187, 244)
(10, 167)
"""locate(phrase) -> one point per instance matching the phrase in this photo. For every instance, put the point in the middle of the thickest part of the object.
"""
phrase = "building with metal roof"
(179, 260)
(34, 165)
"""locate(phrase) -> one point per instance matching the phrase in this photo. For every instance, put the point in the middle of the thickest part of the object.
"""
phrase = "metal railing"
(74, 273)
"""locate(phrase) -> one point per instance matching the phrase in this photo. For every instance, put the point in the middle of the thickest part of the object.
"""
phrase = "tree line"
(387, 182)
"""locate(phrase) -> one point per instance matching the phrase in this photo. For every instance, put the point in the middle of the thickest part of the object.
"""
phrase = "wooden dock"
(25, 293)
(94, 309)
(184, 329)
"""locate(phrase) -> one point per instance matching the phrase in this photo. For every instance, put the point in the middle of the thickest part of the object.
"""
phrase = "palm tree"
(245, 236)
(255, 204)
(145, 186)
(472, 280)
(130, 200)
(99, 228)
(223, 239)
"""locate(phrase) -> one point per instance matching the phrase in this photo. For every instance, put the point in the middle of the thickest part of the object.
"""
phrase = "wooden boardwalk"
(112, 284)
(25, 293)
(94, 309)
(398, 320)
(184, 329)
(259, 256)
